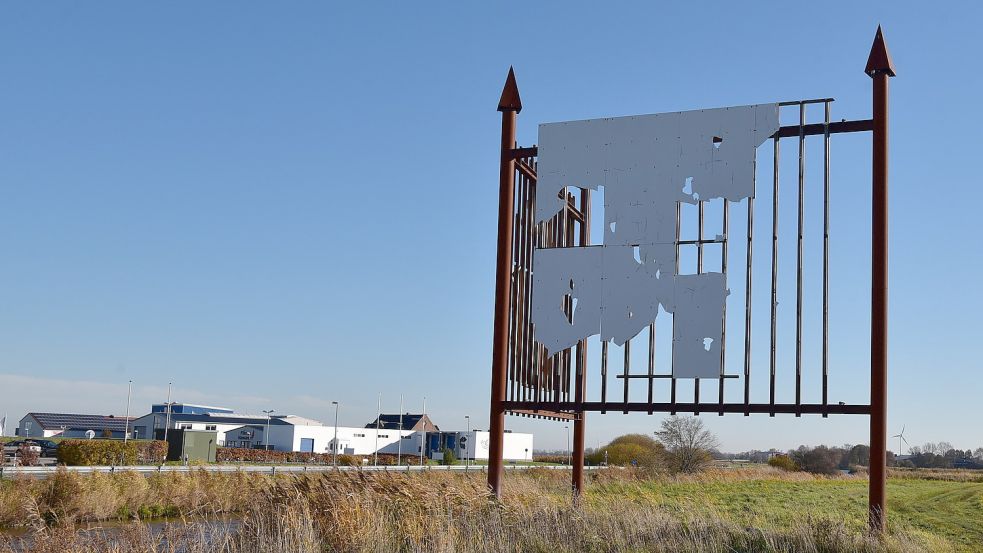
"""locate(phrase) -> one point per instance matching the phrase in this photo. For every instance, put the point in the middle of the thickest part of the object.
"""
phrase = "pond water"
(21, 539)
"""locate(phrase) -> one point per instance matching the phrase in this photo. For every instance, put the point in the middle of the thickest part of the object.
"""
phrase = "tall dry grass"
(390, 512)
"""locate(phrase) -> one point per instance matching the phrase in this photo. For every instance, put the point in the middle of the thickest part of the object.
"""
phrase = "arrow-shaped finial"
(879, 60)
(510, 95)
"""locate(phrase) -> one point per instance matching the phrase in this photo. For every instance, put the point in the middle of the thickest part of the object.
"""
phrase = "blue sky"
(283, 205)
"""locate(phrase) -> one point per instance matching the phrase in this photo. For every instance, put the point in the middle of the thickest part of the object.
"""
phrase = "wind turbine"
(900, 438)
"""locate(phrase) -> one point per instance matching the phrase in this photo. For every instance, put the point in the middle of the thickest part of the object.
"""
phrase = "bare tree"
(978, 454)
(687, 443)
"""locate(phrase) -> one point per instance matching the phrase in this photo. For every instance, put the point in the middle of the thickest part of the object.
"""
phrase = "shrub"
(245, 455)
(28, 457)
(550, 458)
(111, 452)
(783, 462)
(817, 460)
(631, 450)
(449, 457)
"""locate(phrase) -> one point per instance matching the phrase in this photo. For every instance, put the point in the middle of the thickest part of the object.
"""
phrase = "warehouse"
(396, 434)
(72, 425)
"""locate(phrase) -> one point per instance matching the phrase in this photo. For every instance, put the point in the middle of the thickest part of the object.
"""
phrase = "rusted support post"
(509, 105)
(577, 478)
(880, 69)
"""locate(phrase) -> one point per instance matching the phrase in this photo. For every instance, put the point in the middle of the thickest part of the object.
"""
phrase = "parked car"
(48, 447)
(11, 448)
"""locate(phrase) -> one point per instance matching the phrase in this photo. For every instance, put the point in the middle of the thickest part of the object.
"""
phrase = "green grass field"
(753, 509)
(951, 510)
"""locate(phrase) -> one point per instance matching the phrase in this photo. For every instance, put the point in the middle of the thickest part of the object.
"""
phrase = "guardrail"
(44, 472)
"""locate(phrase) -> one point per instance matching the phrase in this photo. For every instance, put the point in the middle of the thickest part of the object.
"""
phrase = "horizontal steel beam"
(820, 128)
(548, 414)
(785, 408)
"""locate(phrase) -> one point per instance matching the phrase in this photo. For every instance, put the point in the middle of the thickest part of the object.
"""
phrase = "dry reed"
(394, 512)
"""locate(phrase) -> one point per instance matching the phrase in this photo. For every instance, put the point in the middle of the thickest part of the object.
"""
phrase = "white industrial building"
(293, 433)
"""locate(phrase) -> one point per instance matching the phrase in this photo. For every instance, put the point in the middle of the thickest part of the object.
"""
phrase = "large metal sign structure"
(555, 289)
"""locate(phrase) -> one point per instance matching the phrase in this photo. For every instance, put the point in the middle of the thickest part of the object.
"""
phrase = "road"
(44, 472)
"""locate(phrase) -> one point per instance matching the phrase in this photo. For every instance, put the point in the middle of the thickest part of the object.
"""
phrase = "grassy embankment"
(735, 510)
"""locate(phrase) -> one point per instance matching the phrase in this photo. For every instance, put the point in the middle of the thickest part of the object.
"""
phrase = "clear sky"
(281, 205)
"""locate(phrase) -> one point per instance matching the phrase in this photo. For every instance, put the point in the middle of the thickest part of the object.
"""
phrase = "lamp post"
(467, 419)
(378, 420)
(126, 418)
(334, 447)
(167, 408)
(269, 413)
(567, 427)
(399, 442)
(423, 437)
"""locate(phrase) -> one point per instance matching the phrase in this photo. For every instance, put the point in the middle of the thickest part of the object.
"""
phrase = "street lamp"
(423, 437)
(167, 416)
(567, 426)
(334, 460)
(467, 419)
(269, 413)
(126, 424)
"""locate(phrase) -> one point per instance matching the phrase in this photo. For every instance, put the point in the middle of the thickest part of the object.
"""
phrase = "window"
(185, 427)
(383, 435)
(211, 427)
(407, 437)
(359, 435)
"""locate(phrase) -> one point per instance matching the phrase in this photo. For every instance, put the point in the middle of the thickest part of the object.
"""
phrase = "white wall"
(517, 446)
(351, 440)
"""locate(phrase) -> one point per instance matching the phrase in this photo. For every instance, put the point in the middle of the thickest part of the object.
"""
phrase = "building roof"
(239, 418)
(72, 421)
(410, 422)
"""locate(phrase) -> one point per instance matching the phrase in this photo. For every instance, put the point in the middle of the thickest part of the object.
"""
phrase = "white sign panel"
(646, 164)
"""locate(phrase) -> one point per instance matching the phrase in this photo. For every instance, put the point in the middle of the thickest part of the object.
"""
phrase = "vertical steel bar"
(774, 274)
(514, 300)
(699, 271)
(672, 380)
(879, 67)
(579, 424)
(500, 346)
(798, 262)
(747, 294)
(604, 374)
(627, 349)
(826, 259)
(651, 364)
(530, 230)
(723, 323)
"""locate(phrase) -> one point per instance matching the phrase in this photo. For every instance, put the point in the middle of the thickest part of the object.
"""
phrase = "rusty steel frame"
(526, 381)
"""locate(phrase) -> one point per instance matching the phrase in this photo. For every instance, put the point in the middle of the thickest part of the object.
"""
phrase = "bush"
(783, 462)
(631, 450)
(817, 460)
(245, 455)
(550, 458)
(449, 457)
(111, 452)
(26, 456)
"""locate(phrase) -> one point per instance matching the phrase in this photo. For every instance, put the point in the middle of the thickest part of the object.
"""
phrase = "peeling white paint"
(646, 164)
